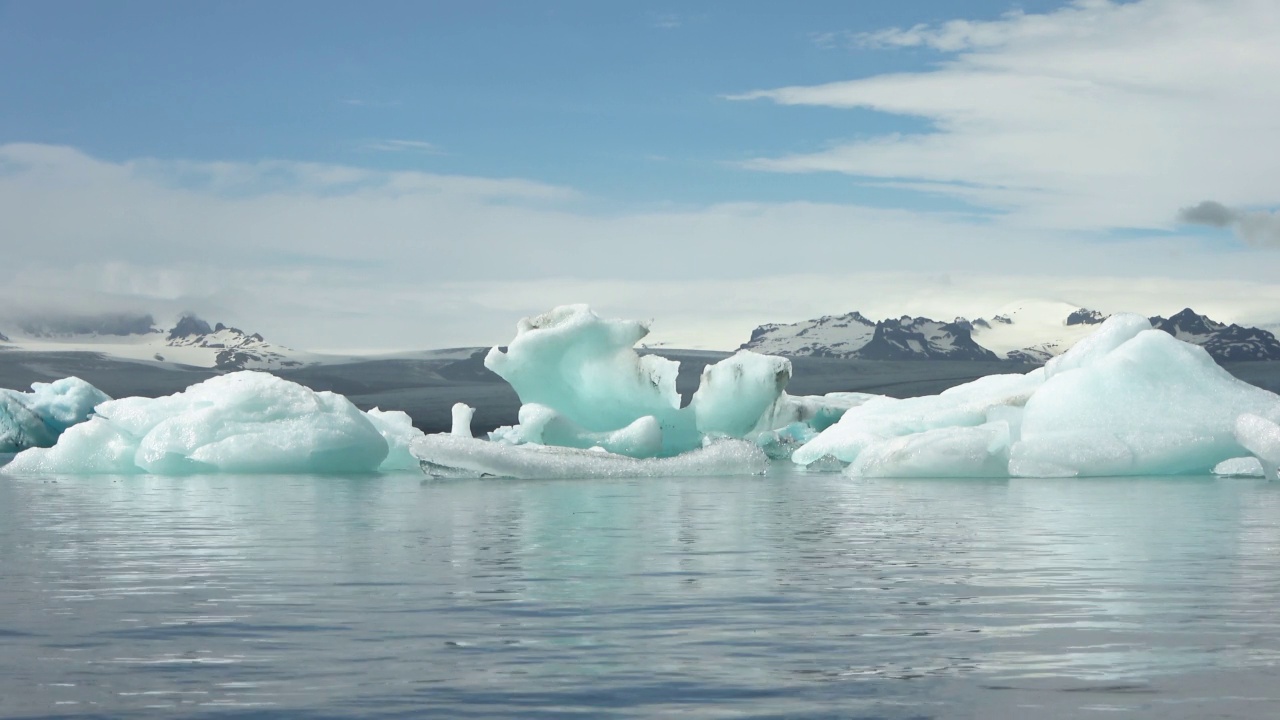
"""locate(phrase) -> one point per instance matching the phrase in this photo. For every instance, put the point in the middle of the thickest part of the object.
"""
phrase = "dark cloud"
(1213, 214)
(1256, 228)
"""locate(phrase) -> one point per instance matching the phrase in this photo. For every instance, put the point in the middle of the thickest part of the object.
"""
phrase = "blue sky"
(623, 98)
(420, 174)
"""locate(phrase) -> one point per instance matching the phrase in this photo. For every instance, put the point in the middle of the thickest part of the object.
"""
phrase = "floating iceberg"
(37, 418)
(583, 385)
(1127, 400)
(248, 422)
(452, 456)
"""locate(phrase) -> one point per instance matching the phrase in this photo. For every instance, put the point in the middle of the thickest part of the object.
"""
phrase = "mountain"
(191, 341)
(1226, 343)
(1029, 331)
(854, 336)
(920, 338)
(836, 336)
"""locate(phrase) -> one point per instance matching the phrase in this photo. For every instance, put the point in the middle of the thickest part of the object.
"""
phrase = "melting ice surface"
(240, 422)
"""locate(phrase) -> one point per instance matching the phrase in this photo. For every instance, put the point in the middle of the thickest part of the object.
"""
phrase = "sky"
(385, 176)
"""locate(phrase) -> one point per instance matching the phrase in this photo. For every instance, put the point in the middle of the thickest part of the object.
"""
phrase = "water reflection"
(790, 594)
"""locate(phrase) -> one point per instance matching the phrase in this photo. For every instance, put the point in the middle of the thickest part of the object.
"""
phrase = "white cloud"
(326, 257)
(1097, 115)
(403, 146)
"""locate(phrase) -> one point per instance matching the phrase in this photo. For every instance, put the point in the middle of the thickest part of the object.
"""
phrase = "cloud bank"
(329, 257)
(1095, 116)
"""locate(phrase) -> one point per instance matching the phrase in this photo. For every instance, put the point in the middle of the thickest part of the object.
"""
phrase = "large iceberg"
(1127, 400)
(36, 419)
(248, 422)
(583, 385)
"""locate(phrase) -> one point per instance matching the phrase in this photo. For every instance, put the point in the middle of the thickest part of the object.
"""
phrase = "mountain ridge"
(854, 336)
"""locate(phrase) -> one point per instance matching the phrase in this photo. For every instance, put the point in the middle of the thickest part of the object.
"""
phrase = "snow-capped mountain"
(233, 348)
(854, 336)
(1224, 342)
(1031, 331)
(191, 341)
(829, 336)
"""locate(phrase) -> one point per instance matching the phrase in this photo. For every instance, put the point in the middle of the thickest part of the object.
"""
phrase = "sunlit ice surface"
(793, 594)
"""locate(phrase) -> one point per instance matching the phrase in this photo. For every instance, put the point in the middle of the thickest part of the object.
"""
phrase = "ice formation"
(583, 385)
(1261, 437)
(447, 455)
(1240, 467)
(248, 422)
(1127, 400)
(396, 427)
(37, 418)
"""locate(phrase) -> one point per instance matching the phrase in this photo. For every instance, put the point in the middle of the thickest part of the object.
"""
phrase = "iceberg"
(451, 456)
(248, 422)
(1127, 400)
(582, 385)
(36, 419)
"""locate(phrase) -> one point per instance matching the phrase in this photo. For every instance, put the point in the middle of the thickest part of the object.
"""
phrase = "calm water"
(782, 596)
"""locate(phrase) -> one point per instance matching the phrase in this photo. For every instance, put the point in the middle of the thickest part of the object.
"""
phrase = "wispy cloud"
(667, 21)
(418, 146)
(1095, 116)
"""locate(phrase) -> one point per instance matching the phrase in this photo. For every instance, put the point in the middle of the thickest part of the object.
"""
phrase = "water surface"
(792, 595)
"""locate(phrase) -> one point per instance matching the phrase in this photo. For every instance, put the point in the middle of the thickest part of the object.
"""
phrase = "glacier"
(36, 419)
(245, 422)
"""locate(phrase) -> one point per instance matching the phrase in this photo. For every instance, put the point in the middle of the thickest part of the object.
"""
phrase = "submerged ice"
(248, 422)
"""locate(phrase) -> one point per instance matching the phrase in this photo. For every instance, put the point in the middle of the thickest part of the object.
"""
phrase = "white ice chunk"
(1261, 437)
(587, 369)
(396, 427)
(37, 418)
(735, 393)
(451, 456)
(981, 451)
(1152, 405)
(248, 422)
(540, 425)
(1127, 400)
(1240, 467)
(879, 419)
(462, 414)
(1111, 334)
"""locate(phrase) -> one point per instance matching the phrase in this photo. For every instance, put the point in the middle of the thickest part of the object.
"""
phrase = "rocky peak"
(1187, 323)
(190, 326)
(1084, 316)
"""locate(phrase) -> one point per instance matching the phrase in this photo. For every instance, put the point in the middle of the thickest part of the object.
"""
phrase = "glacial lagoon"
(793, 594)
